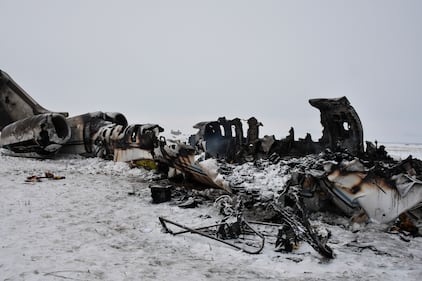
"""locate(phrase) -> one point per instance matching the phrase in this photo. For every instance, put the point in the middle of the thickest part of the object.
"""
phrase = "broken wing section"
(342, 125)
(39, 135)
(15, 103)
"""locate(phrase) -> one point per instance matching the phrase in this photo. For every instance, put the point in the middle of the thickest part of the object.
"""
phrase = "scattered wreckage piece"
(160, 194)
(182, 158)
(377, 191)
(47, 175)
(290, 218)
(15, 103)
(295, 228)
(374, 152)
(222, 232)
(37, 136)
(405, 226)
(382, 195)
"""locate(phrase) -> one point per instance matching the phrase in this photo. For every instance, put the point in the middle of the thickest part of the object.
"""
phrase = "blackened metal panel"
(43, 134)
(85, 128)
(342, 125)
(15, 103)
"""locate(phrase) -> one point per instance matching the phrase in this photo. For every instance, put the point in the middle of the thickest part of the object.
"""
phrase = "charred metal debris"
(224, 139)
(276, 182)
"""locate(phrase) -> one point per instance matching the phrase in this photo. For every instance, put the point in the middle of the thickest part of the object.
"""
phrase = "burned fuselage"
(15, 103)
(43, 135)
(225, 139)
(28, 129)
(342, 125)
(84, 127)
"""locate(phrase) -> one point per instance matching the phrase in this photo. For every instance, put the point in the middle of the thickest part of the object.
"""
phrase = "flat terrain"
(87, 227)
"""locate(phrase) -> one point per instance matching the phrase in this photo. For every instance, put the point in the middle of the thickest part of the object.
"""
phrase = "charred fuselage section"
(342, 125)
(42, 135)
(335, 165)
(15, 103)
(225, 139)
(29, 129)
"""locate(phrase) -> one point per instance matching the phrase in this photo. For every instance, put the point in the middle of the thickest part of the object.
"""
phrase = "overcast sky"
(176, 63)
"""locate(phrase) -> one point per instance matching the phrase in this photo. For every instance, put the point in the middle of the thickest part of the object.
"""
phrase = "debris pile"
(271, 182)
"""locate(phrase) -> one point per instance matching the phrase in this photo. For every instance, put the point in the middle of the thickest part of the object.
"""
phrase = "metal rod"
(163, 222)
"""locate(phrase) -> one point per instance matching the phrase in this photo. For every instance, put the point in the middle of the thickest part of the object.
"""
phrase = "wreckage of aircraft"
(224, 138)
(350, 177)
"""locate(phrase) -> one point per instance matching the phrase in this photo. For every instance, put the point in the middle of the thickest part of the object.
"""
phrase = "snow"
(402, 151)
(88, 227)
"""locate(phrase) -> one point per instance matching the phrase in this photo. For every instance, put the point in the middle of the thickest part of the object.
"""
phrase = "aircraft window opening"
(346, 126)
(223, 132)
(233, 127)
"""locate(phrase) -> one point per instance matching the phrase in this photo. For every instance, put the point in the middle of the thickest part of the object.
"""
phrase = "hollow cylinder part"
(42, 134)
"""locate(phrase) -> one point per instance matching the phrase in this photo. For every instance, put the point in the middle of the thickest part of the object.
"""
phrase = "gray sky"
(176, 63)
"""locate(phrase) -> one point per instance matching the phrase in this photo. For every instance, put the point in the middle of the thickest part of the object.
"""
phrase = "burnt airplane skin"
(224, 139)
(28, 129)
(15, 103)
(84, 127)
(342, 125)
(43, 134)
(382, 197)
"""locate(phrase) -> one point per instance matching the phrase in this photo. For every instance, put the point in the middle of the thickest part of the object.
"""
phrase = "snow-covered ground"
(88, 227)
(402, 151)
